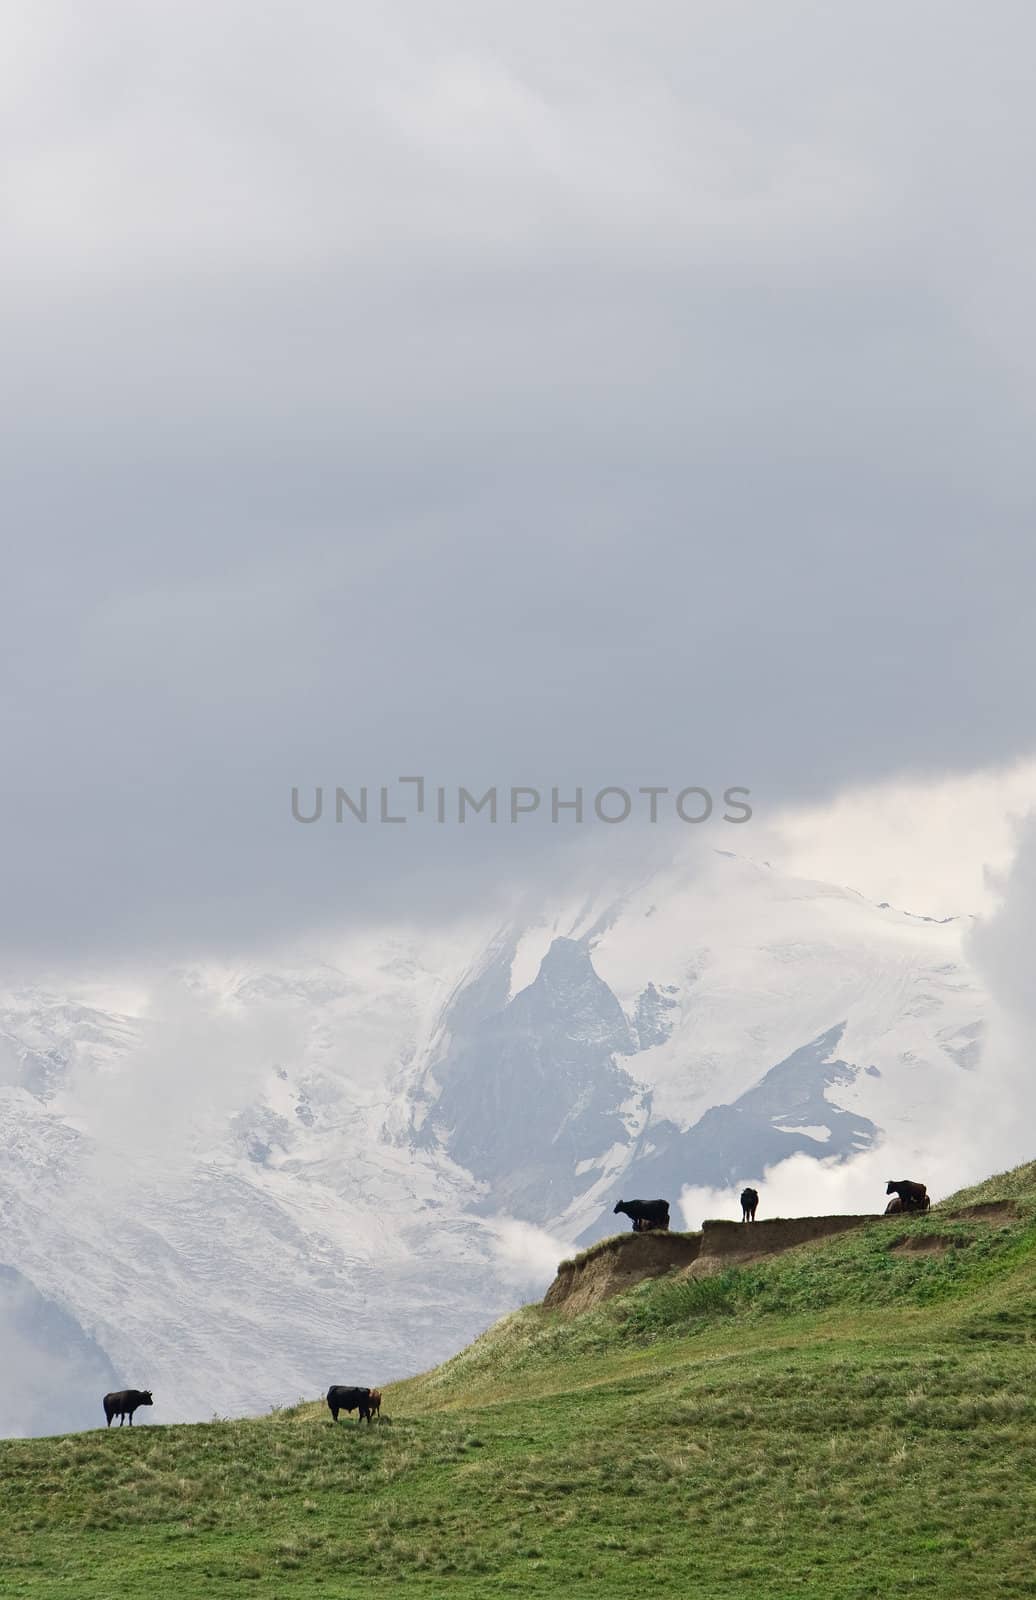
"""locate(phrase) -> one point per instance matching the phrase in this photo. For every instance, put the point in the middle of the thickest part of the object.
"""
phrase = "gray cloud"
(512, 397)
(1000, 948)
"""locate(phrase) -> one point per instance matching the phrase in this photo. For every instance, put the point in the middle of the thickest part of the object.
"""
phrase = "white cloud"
(802, 1186)
(524, 1253)
(1003, 1117)
(987, 1124)
(937, 844)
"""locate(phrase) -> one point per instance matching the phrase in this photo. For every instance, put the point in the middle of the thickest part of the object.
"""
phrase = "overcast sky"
(533, 394)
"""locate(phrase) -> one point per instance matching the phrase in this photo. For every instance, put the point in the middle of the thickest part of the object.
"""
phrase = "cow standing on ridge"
(124, 1403)
(645, 1213)
(749, 1202)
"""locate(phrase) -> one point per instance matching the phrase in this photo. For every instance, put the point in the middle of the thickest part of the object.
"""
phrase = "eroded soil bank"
(616, 1264)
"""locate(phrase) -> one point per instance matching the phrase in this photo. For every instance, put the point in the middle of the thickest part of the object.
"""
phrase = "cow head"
(892, 1187)
(619, 1206)
(145, 1398)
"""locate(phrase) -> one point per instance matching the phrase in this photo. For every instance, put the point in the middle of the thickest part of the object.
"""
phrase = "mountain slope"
(853, 1418)
(229, 1179)
(683, 1035)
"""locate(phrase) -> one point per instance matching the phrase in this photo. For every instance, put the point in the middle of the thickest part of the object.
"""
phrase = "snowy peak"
(534, 1090)
(787, 1112)
(571, 1002)
(47, 1040)
(282, 1149)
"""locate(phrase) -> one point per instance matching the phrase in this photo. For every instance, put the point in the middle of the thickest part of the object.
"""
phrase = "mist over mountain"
(268, 1178)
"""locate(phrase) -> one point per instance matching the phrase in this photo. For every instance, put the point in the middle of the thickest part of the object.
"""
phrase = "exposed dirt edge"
(985, 1211)
(727, 1244)
(618, 1263)
(599, 1274)
(927, 1243)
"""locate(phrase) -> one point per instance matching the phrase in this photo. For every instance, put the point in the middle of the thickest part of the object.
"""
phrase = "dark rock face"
(534, 1088)
(54, 1372)
(652, 1024)
(528, 1094)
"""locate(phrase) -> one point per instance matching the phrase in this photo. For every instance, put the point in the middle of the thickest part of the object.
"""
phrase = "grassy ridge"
(855, 1418)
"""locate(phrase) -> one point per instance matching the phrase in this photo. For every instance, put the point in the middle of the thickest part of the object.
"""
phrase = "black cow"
(749, 1201)
(123, 1404)
(653, 1213)
(342, 1397)
(914, 1196)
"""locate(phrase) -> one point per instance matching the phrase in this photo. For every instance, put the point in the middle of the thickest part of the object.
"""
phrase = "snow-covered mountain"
(254, 1182)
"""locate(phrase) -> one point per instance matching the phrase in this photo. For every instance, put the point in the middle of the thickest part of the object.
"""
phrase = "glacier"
(262, 1178)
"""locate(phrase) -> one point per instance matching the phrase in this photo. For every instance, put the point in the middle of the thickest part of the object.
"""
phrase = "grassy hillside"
(854, 1418)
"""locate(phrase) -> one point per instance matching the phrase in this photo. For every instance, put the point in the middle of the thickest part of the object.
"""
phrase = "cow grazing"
(123, 1404)
(375, 1403)
(749, 1202)
(914, 1196)
(344, 1397)
(654, 1213)
(894, 1207)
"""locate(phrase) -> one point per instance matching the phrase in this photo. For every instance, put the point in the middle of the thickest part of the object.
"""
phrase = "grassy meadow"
(854, 1418)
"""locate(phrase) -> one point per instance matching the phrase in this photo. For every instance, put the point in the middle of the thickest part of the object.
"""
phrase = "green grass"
(613, 1245)
(847, 1420)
